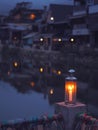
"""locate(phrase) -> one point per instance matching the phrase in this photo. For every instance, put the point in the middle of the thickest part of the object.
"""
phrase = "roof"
(18, 27)
(77, 16)
(60, 12)
(30, 35)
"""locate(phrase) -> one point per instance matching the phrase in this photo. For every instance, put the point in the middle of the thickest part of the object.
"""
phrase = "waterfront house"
(23, 12)
(85, 24)
(55, 27)
(58, 21)
(20, 22)
(28, 40)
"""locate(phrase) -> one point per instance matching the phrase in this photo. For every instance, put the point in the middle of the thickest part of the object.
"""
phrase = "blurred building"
(84, 22)
(24, 13)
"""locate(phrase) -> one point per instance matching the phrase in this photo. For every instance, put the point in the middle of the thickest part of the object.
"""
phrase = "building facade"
(84, 21)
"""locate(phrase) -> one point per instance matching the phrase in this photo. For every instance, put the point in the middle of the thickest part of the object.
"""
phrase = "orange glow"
(55, 39)
(18, 16)
(59, 72)
(32, 84)
(15, 64)
(51, 91)
(70, 90)
(54, 71)
(8, 72)
(32, 16)
(41, 70)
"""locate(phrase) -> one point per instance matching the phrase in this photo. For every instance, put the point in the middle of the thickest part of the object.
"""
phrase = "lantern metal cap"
(71, 78)
(71, 71)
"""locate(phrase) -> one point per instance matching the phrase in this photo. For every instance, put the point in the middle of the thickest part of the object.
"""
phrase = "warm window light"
(32, 84)
(59, 72)
(18, 16)
(15, 64)
(32, 16)
(51, 91)
(70, 88)
(54, 71)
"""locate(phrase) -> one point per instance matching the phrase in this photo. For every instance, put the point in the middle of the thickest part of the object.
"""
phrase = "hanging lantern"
(70, 88)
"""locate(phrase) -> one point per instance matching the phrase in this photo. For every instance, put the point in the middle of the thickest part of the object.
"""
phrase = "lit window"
(41, 69)
(32, 84)
(59, 72)
(51, 91)
(32, 16)
(15, 64)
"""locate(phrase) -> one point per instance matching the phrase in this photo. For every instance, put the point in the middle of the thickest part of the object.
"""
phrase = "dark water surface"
(25, 101)
(36, 95)
(18, 105)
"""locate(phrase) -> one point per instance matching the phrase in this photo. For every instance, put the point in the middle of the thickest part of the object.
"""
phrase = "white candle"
(70, 95)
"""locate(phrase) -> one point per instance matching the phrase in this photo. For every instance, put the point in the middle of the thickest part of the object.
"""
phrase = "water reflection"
(31, 87)
(18, 105)
(25, 94)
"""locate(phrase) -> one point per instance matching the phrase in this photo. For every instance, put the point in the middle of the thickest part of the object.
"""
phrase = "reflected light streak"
(32, 84)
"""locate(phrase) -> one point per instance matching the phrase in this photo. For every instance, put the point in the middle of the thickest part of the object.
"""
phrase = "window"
(90, 2)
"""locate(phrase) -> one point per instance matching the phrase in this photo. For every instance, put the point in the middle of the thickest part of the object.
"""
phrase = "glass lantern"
(70, 88)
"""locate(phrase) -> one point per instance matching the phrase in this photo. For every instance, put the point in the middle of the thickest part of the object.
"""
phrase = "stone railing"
(54, 122)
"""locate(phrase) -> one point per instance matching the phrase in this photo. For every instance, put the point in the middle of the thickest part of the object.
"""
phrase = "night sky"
(6, 5)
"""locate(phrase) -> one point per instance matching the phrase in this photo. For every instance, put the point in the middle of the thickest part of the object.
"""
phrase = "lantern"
(70, 88)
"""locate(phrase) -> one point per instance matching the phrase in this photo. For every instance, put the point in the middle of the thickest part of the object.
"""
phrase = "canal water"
(24, 96)
(14, 104)
(31, 90)
(22, 99)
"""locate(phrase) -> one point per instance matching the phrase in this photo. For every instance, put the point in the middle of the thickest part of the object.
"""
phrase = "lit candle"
(70, 92)
(70, 89)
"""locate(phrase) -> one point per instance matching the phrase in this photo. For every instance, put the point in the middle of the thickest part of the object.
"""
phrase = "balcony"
(80, 29)
(93, 9)
(79, 10)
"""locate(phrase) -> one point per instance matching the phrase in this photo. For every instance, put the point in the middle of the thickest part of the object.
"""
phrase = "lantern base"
(69, 112)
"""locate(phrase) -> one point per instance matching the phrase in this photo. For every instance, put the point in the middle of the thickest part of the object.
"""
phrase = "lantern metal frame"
(70, 88)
